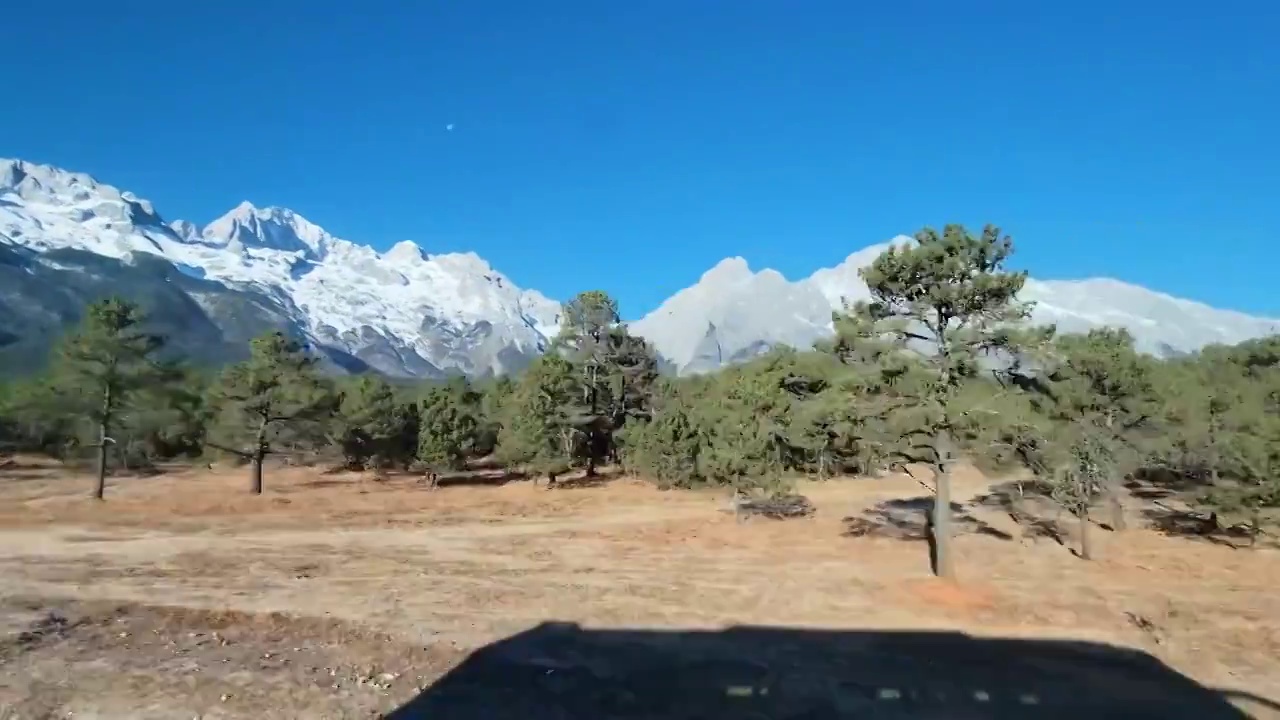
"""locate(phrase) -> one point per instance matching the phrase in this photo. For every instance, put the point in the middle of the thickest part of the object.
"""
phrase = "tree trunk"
(1118, 522)
(255, 473)
(1086, 552)
(100, 484)
(259, 454)
(940, 527)
(1111, 488)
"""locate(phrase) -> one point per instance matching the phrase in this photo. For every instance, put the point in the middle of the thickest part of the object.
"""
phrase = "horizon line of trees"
(939, 366)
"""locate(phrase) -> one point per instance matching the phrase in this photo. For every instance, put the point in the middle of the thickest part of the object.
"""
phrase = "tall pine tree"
(276, 387)
(937, 308)
(106, 361)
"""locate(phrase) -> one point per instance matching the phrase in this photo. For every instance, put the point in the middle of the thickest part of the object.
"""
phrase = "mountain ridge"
(756, 310)
(406, 312)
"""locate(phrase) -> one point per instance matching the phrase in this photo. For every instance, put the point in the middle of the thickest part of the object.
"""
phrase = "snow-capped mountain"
(66, 238)
(404, 312)
(733, 313)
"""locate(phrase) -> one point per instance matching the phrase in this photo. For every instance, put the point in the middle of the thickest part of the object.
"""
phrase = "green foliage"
(1101, 380)
(450, 427)
(167, 420)
(272, 399)
(938, 310)
(605, 362)
(1221, 416)
(835, 433)
(108, 357)
(36, 418)
(102, 369)
(587, 318)
(668, 449)
(540, 430)
(374, 428)
(1100, 390)
(1088, 465)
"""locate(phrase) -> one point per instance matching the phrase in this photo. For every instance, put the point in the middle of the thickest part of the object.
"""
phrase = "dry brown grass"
(328, 559)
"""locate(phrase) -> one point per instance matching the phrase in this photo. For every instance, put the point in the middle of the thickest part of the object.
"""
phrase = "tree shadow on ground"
(565, 672)
(13, 464)
(1148, 492)
(1202, 527)
(1025, 502)
(577, 481)
(19, 473)
(908, 519)
(480, 478)
(327, 482)
(1157, 483)
(460, 478)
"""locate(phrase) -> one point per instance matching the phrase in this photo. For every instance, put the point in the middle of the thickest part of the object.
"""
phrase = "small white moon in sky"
(449, 127)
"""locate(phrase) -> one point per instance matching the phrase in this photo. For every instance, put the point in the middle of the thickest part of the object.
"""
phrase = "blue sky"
(631, 145)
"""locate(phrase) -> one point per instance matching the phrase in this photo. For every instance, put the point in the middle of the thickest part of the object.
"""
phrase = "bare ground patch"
(118, 660)
(370, 571)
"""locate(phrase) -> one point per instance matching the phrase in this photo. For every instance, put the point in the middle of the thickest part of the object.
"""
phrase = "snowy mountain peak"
(728, 270)
(842, 283)
(402, 311)
(270, 228)
(45, 207)
(867, 255)
(10, 169)
(468, 263)
(732, 313)
(46, 183)
(405, 251)
(186, 230)
(33, 182)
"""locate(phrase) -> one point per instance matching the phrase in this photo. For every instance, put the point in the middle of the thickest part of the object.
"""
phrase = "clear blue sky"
(631, 145)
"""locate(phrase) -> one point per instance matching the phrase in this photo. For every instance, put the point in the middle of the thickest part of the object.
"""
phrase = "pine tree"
(1101, 387)
(449, 427)
(539, 430)
(1081, 477)
(275, 388)
(669, 446)
(107, 361)
(373, 424)
(586, 330)
(1223, 417)
(494, 395)
(630, 381)
(949, 301)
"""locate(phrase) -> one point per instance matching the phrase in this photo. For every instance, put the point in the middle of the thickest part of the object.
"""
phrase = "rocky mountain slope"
(66, 239)
(403, 312)
(733, 313)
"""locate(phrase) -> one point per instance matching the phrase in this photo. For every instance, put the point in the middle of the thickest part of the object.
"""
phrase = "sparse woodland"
(939, 367)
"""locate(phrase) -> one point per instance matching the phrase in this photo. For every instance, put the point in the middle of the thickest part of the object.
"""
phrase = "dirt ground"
(339, 596)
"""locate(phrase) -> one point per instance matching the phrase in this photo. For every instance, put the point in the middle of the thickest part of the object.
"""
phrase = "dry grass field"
(338, 596)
